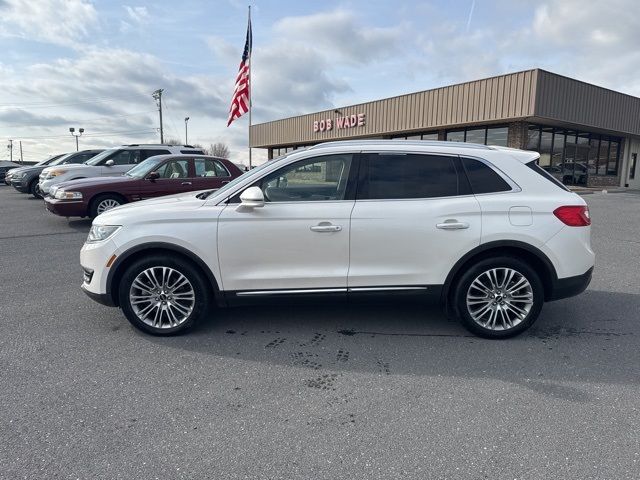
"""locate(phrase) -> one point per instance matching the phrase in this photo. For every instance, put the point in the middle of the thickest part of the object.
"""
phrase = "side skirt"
(357, 295)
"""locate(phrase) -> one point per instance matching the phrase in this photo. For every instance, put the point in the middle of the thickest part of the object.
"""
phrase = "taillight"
(573, 215)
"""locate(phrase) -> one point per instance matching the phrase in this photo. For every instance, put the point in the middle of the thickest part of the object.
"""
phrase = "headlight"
(98, 233)
(62, 195)
(55, 173)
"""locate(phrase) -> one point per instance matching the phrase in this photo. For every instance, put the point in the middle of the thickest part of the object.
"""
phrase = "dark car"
(18, 171)
(27, 181)
(5, 166)
(154, 177)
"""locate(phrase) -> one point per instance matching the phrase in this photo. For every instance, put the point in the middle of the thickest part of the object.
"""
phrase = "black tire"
(33, 188)
(536, 294)
(94, 207)
(197, 282)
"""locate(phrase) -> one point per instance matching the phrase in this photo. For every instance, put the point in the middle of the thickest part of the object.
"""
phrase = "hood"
(27, 169)
(68, 166)
(161, 208)
(94, 181)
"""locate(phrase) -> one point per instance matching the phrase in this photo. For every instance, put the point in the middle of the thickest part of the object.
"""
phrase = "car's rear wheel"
(163, 296)
(103, 203)
(499, 297)
(34, 189)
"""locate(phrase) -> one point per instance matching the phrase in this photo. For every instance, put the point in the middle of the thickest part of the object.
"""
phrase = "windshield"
(59, 161)
(142, 169)
(101, 156)
(244, 176)
(46, 161)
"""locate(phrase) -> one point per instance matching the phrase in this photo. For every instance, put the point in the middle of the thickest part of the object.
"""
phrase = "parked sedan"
(27, 182)
(17, 172)
(154, 177)
(6, 167)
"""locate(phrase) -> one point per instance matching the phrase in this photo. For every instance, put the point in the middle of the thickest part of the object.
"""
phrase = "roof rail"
(390, 141)
(156, 145)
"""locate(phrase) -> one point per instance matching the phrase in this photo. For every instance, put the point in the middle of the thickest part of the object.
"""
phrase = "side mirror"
(252, 197)
(109, 163)
(153, 176)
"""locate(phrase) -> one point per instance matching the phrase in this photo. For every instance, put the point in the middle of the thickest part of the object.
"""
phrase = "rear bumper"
(570, 286)
(66, 208)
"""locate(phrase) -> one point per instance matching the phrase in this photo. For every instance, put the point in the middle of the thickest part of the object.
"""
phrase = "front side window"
(312, 179)
(205, 167)
(402, 176)
(174, 169)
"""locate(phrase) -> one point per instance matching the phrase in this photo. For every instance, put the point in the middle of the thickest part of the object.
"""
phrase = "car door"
(299, 241)
(209, 173)
(174, 176)
(413, 218)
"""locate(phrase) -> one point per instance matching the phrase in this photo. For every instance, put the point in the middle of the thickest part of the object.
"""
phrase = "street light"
(186, 131)
(79, 134)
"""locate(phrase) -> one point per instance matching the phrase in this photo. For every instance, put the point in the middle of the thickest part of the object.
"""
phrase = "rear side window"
(540, 171)
(190, 152)
(151, 153)
(401, 176)
(483, 178)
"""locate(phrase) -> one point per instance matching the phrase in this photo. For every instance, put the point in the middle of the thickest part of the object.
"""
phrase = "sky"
(95, 64)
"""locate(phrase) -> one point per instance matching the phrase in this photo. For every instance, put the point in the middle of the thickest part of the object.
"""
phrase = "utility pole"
(158, 96)
(21, 159)
(10, 147)
(186, 131)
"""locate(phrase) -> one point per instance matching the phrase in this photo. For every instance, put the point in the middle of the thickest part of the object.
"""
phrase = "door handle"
(452, 225)
(186, 183)
(325, 227)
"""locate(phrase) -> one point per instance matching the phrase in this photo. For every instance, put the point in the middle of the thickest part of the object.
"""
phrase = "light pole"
(79, 134)
(186, 131)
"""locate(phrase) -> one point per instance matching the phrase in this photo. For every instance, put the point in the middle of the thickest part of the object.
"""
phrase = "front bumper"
(66, 208)
(45, 185)
(18, 185)
(101, 298)
(570, 286)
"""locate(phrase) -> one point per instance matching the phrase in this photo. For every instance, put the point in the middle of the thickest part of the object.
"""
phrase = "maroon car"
(154, 177)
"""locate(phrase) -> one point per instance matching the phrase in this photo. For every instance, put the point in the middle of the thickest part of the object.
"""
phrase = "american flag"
(240, 102)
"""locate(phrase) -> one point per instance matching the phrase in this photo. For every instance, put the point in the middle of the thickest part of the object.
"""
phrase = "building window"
(455, 136)
(497, 136)
(564, 152)
(614, 153)
(430, 136)
(632, 170)
(483, 136)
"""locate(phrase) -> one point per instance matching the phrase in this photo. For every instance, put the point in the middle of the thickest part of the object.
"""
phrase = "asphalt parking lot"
(360, 391)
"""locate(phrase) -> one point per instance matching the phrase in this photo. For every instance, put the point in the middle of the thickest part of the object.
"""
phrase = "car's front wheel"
(163, 296)
(34, 189)
(103, 203)
(499, 297)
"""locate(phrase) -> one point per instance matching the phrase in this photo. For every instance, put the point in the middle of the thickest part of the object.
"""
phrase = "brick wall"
(518, 135)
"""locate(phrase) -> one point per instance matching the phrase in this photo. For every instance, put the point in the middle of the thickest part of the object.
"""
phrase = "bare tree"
(219, 150)
(172, 141)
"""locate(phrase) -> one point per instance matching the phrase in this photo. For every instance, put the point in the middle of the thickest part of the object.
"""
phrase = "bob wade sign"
(349, 121)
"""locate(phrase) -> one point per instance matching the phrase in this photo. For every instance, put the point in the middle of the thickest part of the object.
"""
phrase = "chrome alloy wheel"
(106, 204)
(499, 299)
(162, 297)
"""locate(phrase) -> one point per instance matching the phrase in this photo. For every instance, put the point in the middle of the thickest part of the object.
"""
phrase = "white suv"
(111, 162)
(483, 230)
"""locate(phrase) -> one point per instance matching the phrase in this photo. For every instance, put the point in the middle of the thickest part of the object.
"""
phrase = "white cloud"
(139, 15)
(62, 22)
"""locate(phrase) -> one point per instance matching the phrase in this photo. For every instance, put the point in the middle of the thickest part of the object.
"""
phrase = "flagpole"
(250, 96)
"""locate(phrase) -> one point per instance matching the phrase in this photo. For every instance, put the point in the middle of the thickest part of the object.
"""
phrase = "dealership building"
(585, 134)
